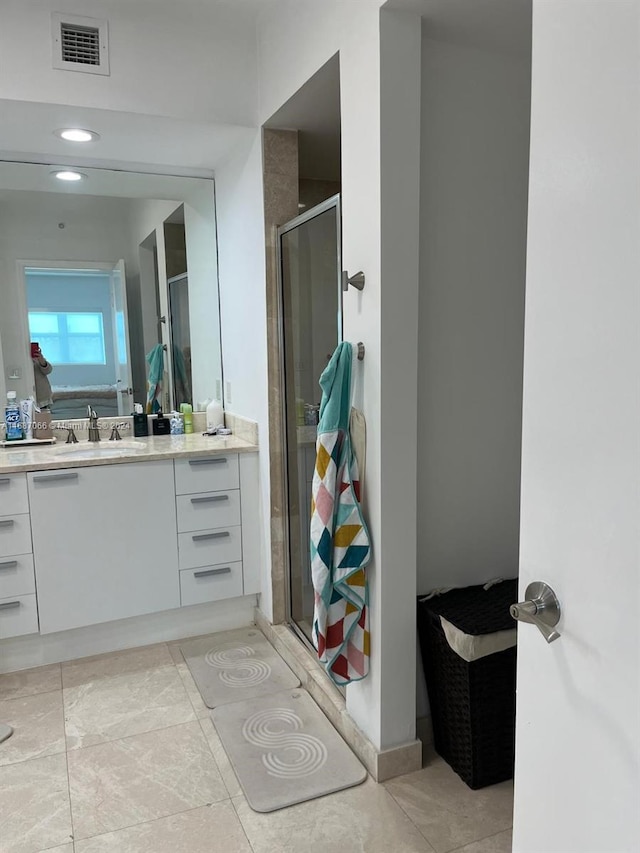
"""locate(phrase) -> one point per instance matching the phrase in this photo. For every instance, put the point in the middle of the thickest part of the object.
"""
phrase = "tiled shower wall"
(280, 165)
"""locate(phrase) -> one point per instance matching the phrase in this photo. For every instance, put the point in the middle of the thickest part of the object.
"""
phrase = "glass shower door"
(311, 323)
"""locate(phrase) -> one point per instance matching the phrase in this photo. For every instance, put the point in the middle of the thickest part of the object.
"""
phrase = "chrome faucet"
(94, 432)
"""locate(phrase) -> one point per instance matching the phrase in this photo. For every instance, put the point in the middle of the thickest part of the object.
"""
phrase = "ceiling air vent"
(80, 44)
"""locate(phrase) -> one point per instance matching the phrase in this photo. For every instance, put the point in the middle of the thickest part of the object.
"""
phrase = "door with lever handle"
(541, 608)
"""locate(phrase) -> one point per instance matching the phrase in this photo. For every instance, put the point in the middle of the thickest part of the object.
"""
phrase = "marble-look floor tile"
(174, 645)
(38, 727)
(200, 709)
(500, 843)
(210, 829)
(446, 811)
(174, 649)
(130, 661)
(28, 682)
(65, 848)
(222, 760)
(141, 778)
(34, 806)
(122, 705)
(359, 819)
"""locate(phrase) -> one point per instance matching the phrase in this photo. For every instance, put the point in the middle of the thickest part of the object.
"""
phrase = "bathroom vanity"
(90, 534)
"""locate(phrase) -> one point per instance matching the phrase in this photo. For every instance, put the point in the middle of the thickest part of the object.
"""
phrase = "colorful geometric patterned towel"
(340, 543)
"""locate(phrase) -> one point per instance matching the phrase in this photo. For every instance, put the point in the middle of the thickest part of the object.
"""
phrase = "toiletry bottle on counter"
(176, 425)
(12, 418)
(215, 415)
(140, 421)
(26, 416)
(187, 414)
(160, 425)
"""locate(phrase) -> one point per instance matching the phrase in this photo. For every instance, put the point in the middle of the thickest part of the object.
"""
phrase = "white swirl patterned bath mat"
(236, 665)
(284, 750)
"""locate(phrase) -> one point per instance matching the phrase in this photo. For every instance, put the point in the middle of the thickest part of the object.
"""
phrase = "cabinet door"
(104, 543)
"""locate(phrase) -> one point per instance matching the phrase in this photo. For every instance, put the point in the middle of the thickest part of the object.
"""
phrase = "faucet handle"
(115, 434)
(71, 436)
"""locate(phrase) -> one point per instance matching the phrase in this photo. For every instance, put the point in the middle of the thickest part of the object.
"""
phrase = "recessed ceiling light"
(70, 175)
(77, 134)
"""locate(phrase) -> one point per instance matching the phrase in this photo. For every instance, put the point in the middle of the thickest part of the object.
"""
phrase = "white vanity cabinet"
(18, 610)
(104, 542)
(217, 510)
(208, 503)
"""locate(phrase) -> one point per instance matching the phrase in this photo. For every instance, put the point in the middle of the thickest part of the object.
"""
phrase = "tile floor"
(117, 754)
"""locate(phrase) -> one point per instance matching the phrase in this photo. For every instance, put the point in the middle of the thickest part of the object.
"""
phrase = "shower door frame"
(312, 213)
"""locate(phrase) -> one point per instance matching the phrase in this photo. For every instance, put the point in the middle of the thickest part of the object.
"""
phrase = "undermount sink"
(101, 448)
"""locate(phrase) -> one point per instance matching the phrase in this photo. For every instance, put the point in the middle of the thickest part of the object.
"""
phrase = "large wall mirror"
(115, 277)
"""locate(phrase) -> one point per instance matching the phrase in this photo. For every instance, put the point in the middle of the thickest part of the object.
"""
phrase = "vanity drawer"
(209, 547)
(13, 494)
(207, 474)
(208, 511)
(15, 535)
(16, 575)
(210, 583)
(18, 616)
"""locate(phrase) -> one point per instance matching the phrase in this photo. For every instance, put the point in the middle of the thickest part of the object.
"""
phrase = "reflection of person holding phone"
(41, 369)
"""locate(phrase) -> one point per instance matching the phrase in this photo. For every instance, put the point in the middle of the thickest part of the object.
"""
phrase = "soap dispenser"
(215, 415)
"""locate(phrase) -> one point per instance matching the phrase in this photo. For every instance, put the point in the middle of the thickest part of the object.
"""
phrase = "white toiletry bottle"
(26, 417)
(215, 415)
(12, 418)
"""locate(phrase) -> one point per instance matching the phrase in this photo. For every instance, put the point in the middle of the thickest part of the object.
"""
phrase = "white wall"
(294, 42)
(95, 230)
(190, 60)
(400, 86)
(204, 313)
(473, 216)
(241, 260)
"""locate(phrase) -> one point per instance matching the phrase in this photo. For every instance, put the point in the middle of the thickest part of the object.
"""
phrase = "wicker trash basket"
(473, 704)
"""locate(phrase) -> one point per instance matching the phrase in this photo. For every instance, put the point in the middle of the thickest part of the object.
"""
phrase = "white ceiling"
(500, 25)
(156, 143)
(26, 132)
(99, 182)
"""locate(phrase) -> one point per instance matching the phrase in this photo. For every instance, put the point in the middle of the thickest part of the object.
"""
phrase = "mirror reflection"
(108, 290)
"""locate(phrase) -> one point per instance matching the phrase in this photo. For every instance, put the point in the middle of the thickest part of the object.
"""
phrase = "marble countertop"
(47, 457)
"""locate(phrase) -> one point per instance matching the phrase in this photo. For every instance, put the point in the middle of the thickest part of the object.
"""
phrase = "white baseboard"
(35, 650)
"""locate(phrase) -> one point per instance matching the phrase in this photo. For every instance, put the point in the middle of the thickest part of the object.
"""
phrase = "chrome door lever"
(541, 608)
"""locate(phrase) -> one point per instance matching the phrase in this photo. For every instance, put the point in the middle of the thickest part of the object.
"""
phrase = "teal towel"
(155, 360)
(335, 408)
